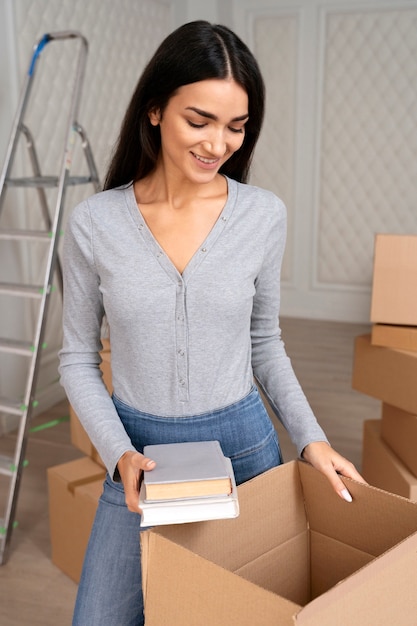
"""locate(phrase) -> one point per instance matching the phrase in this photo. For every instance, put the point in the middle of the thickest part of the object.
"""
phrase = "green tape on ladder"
(13, 467)
(3, 529)
(50, 424)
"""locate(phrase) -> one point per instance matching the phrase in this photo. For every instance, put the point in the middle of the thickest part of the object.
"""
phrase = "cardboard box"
(386, 374)
(74, 490)
(79, 437)
(394, 296)
(381, 467)
(398, 337)
(399, 431)
(297, 554)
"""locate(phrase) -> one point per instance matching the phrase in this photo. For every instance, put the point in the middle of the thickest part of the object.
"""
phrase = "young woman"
(183, 257)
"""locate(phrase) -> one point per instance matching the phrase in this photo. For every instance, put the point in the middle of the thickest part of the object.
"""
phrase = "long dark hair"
(193, 52)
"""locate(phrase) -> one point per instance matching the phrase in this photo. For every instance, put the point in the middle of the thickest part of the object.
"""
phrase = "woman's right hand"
(131, 465)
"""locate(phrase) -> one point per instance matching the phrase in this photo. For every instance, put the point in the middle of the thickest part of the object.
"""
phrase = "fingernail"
(149, 463)
(346, 495)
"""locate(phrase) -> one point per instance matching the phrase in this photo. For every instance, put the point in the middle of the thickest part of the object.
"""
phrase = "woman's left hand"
(322, 456)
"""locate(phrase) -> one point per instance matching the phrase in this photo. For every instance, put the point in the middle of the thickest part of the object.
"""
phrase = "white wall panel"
(275, 41)
(348, 72)
(368, 157)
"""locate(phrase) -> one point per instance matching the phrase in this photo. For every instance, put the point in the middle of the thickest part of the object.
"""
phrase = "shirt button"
(182, 382)
(181, 352)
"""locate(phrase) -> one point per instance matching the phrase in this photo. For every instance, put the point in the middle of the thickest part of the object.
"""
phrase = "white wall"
(340, 142)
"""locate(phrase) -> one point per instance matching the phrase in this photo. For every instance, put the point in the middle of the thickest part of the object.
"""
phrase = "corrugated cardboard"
(398, 337)
(74, 490)
(386, 374)
(297, 554)
(79, 437)
(381, 467)
(399, 431)
(394, 296)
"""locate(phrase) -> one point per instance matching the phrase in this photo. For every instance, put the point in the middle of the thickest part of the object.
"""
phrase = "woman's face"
(201, 127)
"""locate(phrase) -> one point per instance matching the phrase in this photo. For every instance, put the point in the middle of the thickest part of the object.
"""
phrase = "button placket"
(181, 342)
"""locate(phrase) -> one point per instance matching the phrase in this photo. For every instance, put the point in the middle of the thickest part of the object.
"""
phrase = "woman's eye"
(236, 130)
(194, 125)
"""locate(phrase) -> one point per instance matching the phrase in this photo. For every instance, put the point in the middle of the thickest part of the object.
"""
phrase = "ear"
(154, 116)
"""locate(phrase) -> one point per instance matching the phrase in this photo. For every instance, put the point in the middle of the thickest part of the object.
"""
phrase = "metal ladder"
(11, 467)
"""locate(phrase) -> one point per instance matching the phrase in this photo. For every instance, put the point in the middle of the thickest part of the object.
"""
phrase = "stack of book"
(192, 481)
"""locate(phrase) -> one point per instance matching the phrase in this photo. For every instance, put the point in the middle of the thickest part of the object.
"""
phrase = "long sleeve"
(79, 356)
(271, 365)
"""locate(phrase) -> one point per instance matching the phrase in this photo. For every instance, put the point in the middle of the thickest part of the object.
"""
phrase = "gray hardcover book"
(187, 470)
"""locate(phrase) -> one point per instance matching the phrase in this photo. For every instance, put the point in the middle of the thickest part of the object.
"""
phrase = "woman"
(183, 257)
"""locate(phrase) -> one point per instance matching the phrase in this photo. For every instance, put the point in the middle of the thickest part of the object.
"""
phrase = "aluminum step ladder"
(11, 466)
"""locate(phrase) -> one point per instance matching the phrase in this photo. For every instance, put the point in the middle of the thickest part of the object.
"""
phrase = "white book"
(180, 511)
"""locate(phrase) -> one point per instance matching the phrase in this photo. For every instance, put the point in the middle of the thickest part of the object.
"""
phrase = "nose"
(216, 143)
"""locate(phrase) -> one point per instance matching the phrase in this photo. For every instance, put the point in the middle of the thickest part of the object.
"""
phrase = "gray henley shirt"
(181, 344)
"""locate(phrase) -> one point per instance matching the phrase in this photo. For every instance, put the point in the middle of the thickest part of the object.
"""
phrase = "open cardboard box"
(297, 554)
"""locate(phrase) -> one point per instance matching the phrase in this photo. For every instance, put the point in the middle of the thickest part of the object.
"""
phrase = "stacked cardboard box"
(394, 293)
(385, 367)
(74, 491)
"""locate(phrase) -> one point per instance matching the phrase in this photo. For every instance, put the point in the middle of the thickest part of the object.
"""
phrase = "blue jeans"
(110, 589)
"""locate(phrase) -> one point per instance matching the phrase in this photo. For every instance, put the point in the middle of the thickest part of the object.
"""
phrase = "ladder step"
(14, 346)
(17, 235)
(6, 466)
(46, 181)
(11, 407)
(28, 291)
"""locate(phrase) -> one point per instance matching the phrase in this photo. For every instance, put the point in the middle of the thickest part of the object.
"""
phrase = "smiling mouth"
(205, 160)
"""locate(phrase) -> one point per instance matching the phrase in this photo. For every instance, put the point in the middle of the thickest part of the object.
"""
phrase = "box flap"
(383, 593)
(372, 523)
(230, 543)
(174, 575)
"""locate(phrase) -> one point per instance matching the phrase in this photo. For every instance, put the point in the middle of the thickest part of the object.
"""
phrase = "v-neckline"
(201, 252)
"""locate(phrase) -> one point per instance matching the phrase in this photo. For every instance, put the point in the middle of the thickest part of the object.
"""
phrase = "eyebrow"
(210, 116)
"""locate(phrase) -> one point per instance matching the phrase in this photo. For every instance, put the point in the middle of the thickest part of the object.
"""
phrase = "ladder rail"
(55, 222)
(20, 111)
(33, 156)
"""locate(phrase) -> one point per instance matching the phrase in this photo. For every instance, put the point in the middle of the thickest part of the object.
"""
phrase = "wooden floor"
(34, 592)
